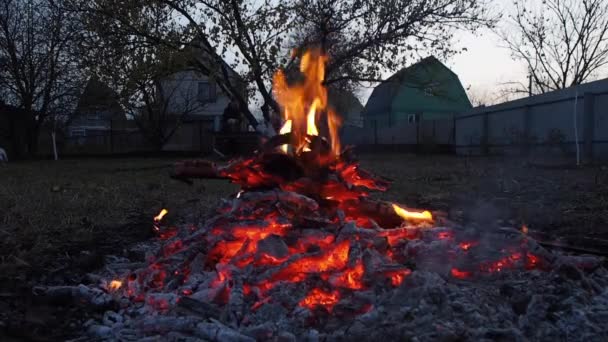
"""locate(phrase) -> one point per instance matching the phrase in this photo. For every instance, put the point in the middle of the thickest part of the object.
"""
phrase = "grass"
(51, 206)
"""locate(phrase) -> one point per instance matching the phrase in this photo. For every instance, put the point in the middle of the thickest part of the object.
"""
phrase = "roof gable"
(97, 96)
(424, 86)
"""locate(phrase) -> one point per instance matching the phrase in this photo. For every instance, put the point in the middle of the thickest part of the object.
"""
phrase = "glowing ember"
(532, 261)
(412, 215)
(318, 297)
(160, 215)
(334, 259)
(351, 278)
(398, 276)
(115, 285)
(465, 246)
(456, 273)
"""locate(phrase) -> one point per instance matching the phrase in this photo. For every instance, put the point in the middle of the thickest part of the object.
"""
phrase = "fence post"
(375, 132)
(111, 137)
(200, 136)
(589, 121)
(453, 140)
(485, 135)
(527, 143)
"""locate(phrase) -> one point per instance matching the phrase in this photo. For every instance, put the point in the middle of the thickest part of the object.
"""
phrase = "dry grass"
(50, 205)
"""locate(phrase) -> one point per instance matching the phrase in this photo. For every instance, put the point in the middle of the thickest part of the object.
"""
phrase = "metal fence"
(421, 136)
(568, 123)
(195, 136)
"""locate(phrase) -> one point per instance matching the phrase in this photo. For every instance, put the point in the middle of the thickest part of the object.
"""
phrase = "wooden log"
(380, 211)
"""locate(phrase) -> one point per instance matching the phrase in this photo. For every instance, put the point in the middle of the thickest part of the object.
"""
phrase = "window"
(413, 118)
(78, 132)
(431, 89)
(206, 92)
(93, 116)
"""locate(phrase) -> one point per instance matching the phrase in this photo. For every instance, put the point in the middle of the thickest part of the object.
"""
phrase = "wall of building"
(181, 89)
(542, 125)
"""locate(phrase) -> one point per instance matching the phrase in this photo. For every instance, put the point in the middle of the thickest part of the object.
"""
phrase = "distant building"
(425, 90)
(97, 111)
(197, 101)
(194, 96)
(16, 127)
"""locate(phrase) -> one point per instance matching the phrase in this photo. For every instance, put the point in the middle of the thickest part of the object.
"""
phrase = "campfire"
(303, 248)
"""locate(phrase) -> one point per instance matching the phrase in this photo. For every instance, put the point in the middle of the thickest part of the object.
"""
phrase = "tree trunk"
(33, 139)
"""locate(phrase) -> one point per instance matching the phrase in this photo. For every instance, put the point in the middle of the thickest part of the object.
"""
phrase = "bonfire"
(303, 251)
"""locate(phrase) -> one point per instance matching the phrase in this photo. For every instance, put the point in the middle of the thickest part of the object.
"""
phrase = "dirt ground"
(58, 219)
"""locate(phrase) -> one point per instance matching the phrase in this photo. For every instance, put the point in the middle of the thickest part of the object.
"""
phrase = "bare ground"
(58, 219)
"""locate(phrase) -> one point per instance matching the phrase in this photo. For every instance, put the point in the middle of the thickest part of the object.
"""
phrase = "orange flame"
(413, 215)
(304, 104)
(160, 215)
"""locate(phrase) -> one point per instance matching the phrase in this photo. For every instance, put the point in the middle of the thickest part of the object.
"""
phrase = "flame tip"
(413, 215)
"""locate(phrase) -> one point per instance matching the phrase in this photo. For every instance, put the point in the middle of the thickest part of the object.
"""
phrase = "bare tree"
(366, 38)
(363, 36)
(562, 42)
(480, 97)
(150, 80)
(39, 73)
(160, 104)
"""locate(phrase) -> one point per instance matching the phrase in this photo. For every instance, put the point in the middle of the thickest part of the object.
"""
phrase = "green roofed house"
(427, 90)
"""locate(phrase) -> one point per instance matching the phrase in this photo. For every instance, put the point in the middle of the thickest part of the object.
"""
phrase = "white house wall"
(181, 89)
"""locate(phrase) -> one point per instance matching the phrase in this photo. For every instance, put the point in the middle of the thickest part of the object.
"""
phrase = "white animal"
(3, 156)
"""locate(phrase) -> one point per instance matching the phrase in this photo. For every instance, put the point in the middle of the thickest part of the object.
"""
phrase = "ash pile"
(297, 258)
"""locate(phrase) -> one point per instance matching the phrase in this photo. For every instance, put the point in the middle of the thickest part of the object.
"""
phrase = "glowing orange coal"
(305, 106)
(318, 297)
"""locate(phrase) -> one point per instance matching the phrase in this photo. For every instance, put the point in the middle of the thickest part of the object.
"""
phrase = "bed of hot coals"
(277, 263)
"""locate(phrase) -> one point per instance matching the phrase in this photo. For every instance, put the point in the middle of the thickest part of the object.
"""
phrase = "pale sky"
(486, 65)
